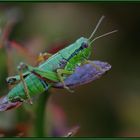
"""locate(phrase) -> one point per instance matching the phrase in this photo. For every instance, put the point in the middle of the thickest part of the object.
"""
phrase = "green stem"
(40, 115)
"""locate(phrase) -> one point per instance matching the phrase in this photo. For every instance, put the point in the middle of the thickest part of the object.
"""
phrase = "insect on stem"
(97, 26)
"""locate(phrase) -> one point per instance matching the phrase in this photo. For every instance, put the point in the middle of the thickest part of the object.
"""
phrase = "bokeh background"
(107, 107)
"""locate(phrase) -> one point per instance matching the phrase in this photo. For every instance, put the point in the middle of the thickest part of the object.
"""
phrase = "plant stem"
(40, 115)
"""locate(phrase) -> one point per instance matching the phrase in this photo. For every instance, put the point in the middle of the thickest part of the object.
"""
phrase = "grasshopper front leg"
(60, 73)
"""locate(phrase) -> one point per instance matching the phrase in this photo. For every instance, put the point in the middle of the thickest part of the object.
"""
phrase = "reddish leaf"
(57, 46)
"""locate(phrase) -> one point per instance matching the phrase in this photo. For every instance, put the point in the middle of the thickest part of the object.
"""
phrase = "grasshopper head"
(84, 44)
(83, 47)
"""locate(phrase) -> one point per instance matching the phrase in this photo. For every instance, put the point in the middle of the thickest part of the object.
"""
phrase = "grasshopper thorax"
(81, 50)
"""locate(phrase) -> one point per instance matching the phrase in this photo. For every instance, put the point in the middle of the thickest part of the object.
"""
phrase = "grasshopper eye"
(84, 45)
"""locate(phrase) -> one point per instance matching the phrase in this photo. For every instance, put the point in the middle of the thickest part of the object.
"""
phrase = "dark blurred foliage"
(106, 107)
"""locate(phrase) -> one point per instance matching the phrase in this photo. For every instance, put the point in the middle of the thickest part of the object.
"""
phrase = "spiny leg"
(46, 75)
(60, 72)
(50, 75)
(20, 68)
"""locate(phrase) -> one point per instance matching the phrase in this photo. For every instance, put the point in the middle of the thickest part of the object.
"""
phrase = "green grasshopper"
(53, 70)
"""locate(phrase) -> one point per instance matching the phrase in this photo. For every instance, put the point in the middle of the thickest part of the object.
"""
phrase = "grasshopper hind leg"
(47, 75)
(20, 69)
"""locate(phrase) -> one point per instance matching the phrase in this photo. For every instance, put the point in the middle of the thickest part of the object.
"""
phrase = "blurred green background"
(107, 107)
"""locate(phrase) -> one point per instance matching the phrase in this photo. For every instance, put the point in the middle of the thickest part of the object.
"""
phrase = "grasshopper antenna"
(103, 35)
(97, 26)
